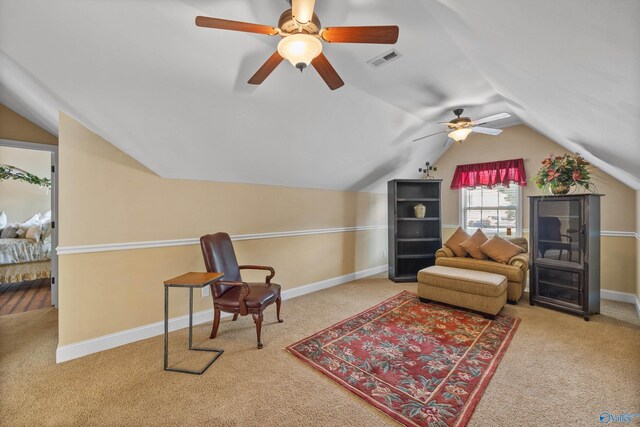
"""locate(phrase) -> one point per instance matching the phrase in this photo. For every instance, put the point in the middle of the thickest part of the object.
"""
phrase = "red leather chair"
(232, 295)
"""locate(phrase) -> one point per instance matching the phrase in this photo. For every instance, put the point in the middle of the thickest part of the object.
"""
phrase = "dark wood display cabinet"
(565, 253)
(413, 241)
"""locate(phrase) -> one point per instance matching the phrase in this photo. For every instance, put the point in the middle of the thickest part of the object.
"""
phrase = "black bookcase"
(565, 253)
(413, 242)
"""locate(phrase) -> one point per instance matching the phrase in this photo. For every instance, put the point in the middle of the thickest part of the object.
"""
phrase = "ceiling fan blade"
(266, 69)
(492, 118)
(427, 136)
(302, 10)
(446, 142)
(327, 72)
(380, 34)
(488, 131)
(224, 24)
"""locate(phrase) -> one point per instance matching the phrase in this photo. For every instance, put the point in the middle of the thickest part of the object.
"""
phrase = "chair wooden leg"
(235, 317)
(257, 318)
(216, 323)
(278, 303)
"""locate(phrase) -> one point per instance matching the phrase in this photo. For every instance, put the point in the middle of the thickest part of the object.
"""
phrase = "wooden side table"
(191, 281)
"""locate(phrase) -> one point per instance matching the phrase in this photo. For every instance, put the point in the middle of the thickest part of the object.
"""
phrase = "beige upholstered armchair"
(515, 269)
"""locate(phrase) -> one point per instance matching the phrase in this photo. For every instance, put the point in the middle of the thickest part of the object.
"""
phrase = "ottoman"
(474, 290)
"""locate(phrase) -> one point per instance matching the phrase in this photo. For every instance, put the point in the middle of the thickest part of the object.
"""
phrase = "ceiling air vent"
(385, 58)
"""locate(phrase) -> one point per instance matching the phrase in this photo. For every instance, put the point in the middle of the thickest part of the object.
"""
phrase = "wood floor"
(24, 296)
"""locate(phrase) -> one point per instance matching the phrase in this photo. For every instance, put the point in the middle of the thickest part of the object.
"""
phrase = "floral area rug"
(422, 364)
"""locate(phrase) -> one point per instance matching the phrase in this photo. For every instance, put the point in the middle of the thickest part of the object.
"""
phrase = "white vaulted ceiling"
(174, 96)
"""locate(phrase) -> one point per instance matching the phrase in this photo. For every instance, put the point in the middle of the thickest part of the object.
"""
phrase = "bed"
(24, 259)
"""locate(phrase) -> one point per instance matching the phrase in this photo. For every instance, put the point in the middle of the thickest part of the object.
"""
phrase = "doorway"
(29, 230)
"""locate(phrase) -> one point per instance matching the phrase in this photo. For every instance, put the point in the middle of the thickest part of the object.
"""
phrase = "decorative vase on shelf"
(420, 210)
(559, 189)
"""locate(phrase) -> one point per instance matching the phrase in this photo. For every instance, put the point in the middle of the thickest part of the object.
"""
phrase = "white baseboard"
(324, 284)
(105, 342)
(618, 296)
(615, 296)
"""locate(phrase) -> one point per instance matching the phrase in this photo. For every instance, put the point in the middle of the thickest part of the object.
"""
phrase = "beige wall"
(618, 268)
(619, 254)
(638, 250)
(618, 205)
(106, 292)
(20, 200)
(107, 197)
(15, 127)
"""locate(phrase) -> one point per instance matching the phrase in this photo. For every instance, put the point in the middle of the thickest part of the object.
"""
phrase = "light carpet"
(558, 370)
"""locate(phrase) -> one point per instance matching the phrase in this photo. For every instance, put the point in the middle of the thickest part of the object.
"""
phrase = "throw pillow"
(521, 242)
(500, 250)
(473, 243)
(10, 231)
(34, 233)
(454, 242)
(3, 220)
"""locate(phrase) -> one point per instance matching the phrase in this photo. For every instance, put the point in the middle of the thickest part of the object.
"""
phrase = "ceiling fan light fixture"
(460, 135)
(300, 49)
(302, 10)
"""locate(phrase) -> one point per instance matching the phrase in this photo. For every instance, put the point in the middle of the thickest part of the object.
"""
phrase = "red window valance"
(489, 174)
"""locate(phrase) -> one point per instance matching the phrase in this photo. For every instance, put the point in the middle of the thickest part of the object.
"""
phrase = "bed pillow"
(10, 231)
(454, 242)
(46, 229)
(45, 216)
(473, 243)
(500, 250)
(34, 220)
(34, 233)
(3, 220)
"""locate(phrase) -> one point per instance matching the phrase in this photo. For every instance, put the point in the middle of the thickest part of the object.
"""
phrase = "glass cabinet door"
(561, 286)
(558, 230)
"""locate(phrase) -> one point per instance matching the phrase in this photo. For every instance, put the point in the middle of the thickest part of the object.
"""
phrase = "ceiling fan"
(460, 127)
(302, 37)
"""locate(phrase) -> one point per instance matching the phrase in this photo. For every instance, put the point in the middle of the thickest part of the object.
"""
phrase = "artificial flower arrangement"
(559, 173)
(12, 172)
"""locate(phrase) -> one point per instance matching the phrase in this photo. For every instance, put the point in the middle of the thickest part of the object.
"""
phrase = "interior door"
(54, 225)
(53, 149)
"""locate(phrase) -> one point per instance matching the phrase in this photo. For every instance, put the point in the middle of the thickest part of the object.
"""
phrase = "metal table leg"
(166, 327)
(190, 318)
(191, 347)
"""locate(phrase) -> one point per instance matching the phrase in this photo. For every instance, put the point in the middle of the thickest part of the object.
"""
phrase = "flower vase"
(559, 189)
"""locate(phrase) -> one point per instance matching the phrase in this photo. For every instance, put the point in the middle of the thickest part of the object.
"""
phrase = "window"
(495, 210)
